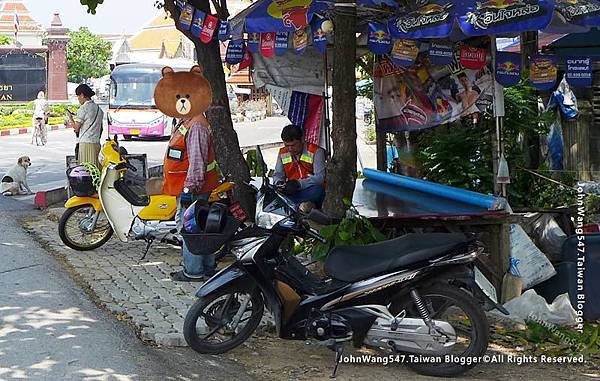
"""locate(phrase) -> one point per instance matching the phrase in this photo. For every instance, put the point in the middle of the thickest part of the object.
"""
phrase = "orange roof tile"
(14, 6)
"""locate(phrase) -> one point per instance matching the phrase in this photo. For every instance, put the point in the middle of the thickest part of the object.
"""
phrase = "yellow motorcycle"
(118, 206)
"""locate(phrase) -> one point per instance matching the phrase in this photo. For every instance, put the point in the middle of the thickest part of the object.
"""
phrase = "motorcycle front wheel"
(222, 321)
(76, 231)
(456, 307)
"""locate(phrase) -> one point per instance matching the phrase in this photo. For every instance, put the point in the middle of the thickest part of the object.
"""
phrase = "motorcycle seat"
(355, 263)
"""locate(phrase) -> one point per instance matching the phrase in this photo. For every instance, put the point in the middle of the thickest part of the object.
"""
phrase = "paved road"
(48, 162)
(50, 330)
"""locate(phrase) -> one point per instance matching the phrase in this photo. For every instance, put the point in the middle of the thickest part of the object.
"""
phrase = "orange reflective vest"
(176, 164)
(302, 169)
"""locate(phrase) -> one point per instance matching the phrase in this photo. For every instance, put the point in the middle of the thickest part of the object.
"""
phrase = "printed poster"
(508, 68)
(579, 71)
(542, 71)
(405, 52)
(425, 95)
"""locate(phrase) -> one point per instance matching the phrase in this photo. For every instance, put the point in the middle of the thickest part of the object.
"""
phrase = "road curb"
(44, 199)
(28, 130)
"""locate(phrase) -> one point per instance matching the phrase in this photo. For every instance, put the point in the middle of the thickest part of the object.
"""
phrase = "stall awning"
(431, 19)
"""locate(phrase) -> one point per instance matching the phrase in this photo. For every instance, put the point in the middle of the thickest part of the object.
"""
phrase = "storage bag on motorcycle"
(80, 181)
(206, 228)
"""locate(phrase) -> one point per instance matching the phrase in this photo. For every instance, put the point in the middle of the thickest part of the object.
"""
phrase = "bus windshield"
(133, 90)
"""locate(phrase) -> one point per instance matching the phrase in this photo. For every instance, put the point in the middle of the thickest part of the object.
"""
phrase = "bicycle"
(39, 132)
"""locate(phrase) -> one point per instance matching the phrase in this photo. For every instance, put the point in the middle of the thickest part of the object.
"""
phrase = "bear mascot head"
(183, 94)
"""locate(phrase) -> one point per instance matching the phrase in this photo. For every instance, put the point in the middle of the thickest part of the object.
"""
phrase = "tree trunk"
(341, 169)
(227, 147)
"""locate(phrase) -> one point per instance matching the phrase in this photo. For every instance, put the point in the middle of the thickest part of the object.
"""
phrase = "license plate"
(486, 286)
(238, 212)
(134, 132)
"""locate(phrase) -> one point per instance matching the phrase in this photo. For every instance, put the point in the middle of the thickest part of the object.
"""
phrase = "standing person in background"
(87, 126)
(40, 114)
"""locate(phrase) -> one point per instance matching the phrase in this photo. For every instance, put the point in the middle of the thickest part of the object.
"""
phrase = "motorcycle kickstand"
(339, 350)
(149, 242)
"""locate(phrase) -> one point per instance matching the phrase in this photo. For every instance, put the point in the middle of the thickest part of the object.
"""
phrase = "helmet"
(79, 171)
(199, 218)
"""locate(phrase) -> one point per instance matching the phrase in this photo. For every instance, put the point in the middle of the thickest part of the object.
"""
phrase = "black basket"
(82, 186)
(210, 243)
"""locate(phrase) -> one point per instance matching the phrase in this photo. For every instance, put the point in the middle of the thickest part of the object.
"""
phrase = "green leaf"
(328, 231)
(344, 235)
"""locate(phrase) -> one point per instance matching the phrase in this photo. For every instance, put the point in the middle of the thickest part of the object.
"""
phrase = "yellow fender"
(222, 188)
(77, 201)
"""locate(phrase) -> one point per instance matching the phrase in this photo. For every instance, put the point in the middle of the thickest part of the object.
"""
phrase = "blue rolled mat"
(488, 202)
(411, 202)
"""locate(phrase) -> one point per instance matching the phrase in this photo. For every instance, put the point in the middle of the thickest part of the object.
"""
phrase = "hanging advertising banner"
(426, 95)
(441, 54)
(246, 60)
(267, 44)
(186, 17)
(300, 41)
(542, 71)
(223, 30)
(281, 43)
(198, 22)
(473, 58)
(209, 28)
(508, 68)
(235, 52)
(579, 71)
(253, 42)
(379, 41)
(319, 37)
(405, 52)
(483, 18)
(434, 19)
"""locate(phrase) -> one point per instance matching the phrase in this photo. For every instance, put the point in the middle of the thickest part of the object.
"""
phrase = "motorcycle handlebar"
(314, 234)
(321, 218)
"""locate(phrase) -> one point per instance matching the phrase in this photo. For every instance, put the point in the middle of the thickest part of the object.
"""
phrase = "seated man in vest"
(190, 169)
(300, 169)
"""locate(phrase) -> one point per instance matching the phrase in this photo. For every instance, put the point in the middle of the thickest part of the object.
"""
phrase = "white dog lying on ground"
(14, 182)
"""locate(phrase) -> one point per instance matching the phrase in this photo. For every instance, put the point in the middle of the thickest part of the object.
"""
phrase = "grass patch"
(547, 339)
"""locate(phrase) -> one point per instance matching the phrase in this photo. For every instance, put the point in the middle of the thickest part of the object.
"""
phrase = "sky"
(114, 16)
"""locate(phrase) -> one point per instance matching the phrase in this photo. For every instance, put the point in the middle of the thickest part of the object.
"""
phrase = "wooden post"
(584, 124)
(381, 150)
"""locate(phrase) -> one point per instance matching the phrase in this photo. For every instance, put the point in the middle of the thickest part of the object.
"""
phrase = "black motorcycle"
(416, 296)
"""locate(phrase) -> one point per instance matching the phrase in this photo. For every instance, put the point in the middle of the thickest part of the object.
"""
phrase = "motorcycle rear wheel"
(74, 236)
(214, 314)
(463, 312)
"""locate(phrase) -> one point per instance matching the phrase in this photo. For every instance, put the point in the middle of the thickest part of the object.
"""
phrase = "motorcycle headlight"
(265, 219)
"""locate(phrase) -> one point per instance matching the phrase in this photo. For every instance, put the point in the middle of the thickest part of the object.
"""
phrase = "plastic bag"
(565, 99)
(532, 265)
(531, 306)
(548, 236)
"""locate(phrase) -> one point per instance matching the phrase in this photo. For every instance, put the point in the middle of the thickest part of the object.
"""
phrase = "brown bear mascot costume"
(186, 96)
(190, 167)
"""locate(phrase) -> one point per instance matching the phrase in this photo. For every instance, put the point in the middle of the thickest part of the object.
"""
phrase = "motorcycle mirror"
(320, 217)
